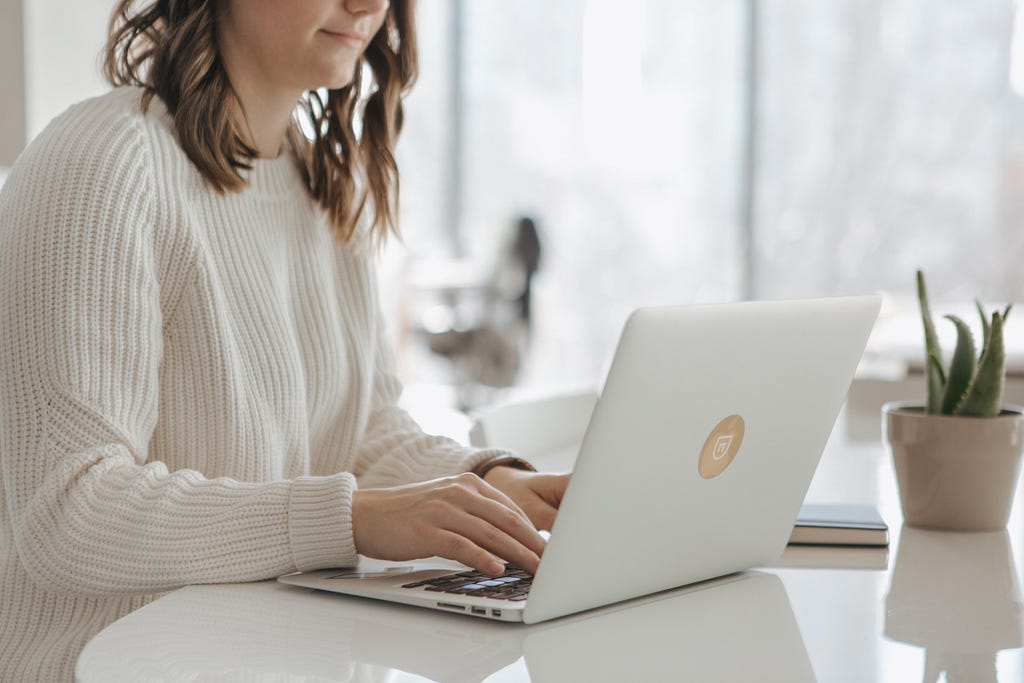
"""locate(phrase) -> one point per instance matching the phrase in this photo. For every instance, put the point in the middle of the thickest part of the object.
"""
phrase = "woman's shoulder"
(93, 140)
(91, 163)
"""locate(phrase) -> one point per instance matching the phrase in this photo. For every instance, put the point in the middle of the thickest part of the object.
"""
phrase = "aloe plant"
(971, 386)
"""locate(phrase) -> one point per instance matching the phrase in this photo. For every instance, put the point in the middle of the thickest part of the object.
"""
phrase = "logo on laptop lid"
(721, 447)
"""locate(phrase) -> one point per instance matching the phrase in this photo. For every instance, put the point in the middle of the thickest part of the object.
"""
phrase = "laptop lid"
(701, 448)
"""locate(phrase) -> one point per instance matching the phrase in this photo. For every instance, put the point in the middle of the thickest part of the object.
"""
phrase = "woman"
(195, 385)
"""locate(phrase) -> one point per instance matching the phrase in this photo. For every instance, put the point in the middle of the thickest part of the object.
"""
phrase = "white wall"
(62, 47)
(49, 59)
(12, 83)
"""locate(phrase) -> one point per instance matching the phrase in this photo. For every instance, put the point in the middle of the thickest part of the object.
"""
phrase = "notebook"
(694, 465)
(837, 524)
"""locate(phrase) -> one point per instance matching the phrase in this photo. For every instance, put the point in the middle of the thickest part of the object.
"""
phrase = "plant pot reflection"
(957, 596)
(955, 473)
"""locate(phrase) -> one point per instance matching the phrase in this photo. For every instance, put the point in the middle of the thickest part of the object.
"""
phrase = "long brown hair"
(169, 48)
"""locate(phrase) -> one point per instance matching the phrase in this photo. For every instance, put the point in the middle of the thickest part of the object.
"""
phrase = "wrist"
(362, 504)
(501, 477)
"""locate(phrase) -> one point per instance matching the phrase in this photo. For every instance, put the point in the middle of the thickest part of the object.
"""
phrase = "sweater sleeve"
(82, 309)
(395, 450)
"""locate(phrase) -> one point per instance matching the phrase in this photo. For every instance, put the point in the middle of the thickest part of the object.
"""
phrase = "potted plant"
(958, 457)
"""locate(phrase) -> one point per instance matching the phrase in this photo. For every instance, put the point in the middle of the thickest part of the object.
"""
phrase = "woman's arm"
(85, 275)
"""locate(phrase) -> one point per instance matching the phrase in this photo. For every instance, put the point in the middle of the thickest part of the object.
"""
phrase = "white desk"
(945, 601)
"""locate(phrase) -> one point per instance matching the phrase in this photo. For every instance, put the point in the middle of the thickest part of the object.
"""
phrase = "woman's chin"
(337, 80)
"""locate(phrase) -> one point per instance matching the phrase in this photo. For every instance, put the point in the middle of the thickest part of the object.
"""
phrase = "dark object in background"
(477, 313)
(526, 250)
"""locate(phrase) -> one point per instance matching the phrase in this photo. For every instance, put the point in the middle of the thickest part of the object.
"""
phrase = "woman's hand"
(462, 518)
(538, 494)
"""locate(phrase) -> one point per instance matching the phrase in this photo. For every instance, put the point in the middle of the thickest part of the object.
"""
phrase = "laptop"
(694, 464)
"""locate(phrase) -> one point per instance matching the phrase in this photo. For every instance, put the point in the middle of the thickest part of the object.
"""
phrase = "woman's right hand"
(461, 518)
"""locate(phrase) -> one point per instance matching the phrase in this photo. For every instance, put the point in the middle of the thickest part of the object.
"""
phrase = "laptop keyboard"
(513, 584)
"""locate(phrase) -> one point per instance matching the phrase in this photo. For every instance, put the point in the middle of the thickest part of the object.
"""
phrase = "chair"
(547, 430)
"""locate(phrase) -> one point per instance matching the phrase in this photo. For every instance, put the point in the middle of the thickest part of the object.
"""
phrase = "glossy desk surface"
(934, 602)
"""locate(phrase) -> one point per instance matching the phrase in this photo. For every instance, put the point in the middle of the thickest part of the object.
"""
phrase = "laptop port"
(495, 612)
(478, 610)
(448, 605)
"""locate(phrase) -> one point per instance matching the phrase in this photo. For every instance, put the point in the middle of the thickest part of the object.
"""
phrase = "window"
(620, 132)
(692, 151)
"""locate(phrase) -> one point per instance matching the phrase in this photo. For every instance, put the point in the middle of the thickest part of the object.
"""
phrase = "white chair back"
(546, 431)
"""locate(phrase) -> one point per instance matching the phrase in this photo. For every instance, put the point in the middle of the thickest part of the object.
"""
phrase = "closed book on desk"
(839, 525)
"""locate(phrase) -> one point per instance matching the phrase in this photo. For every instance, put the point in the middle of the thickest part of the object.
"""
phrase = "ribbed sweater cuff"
(320, 522)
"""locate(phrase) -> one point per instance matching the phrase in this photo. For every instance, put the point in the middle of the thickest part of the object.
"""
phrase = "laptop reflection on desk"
(737, 628)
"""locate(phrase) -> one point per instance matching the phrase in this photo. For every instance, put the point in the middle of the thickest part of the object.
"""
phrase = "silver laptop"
(694, 465)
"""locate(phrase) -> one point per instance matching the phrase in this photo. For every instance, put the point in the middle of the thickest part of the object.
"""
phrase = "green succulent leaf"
(1006, 311)
(985, 327)
(933, 352)
(936, 377)
(961, 369)
(985, 396)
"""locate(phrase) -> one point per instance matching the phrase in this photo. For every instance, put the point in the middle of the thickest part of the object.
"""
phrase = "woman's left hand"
(538, 494)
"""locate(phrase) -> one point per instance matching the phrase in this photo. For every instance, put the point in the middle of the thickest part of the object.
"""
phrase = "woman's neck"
(264, 104)
(264, 117)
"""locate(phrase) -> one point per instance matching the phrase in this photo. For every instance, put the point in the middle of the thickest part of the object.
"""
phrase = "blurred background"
(565, 162)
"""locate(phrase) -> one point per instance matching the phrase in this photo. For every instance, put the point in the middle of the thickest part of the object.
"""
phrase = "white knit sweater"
(191, 384)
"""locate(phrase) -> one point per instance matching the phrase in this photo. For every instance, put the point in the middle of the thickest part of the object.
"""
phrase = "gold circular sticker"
(721, 447)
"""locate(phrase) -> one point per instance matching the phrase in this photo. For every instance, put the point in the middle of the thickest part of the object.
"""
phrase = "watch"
(512, 461)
